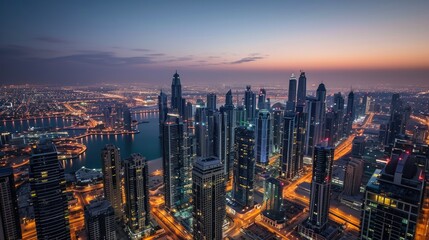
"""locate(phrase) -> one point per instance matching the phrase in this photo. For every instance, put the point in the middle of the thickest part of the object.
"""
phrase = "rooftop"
(44, 146)
(98, 207)
(5, 171)
(206, 163)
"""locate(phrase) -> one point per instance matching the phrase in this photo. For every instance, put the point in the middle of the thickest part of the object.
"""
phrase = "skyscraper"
(230, 112)
(399, 115)
(300, 120)
(240, 116)
(211, 130)
(127, 119)
(48, 185)
(137, 212)
(359, 107)
(358, 146)
(162, 111)
(10, 227)
(111, 160)
(244, 166)
(263, 137)
(277, 129)
(291, 100)
(250, 104)
(350, 114)
(320, 121)
(320, 187)
(162, 107)
(262, 99)
(273, 211)
(100, 220)
(353, 177)
(310, 112)
(229, 99)
(393, 200)
(176, 175)
(288, 153)
(190, 155)
(202, 132)
(268, 104)
(329, 132)
(273, 196)
(208, 194)
(302, 89)
(367, 101)
(219, 132)
(188, 113)
(339, 116)
(211, 102)
(177, 102)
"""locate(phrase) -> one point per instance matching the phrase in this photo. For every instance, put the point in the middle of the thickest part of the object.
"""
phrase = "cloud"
(141, 50)
(156, 54)
(178, 59)
(101, 58)
(104, 59)
(187, 58)
(18, 51)
(108, 58)
(247, 59)
(48, 39)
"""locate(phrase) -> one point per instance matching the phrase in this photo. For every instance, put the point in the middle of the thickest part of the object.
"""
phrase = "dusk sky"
(341, 43)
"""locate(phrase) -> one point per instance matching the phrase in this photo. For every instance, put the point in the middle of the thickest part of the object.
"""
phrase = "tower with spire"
(177, 102)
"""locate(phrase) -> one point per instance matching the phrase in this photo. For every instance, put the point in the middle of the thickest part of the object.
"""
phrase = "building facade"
(175, 164)
(111, 159)
(320, 187)
(137, 210)
(263, 137)
(48, 185)
(393, 200)
(244, 166)
(100, 220)
(10, 227)
(208, 194)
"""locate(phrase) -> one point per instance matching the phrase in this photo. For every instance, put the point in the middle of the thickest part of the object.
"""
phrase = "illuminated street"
(214, 120)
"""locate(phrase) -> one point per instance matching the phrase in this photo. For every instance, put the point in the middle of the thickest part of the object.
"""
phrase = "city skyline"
(214, 120)
(83, 43)
(184, 192)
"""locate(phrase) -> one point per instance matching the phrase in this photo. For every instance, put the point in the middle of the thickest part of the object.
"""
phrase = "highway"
(242, 222)
(289, 193)
(167, 222)
(336, 214)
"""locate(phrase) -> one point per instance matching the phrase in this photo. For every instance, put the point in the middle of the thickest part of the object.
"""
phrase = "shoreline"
(154, 164)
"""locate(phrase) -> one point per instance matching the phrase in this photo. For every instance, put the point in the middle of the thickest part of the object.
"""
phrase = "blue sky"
(338, 42)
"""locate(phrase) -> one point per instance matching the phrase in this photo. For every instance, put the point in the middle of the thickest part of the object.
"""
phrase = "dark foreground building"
(10, 227)
(48, 187)
(208, 193)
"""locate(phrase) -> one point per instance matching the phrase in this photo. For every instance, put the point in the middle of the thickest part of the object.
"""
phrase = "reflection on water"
(146, 142)
(23, 125)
